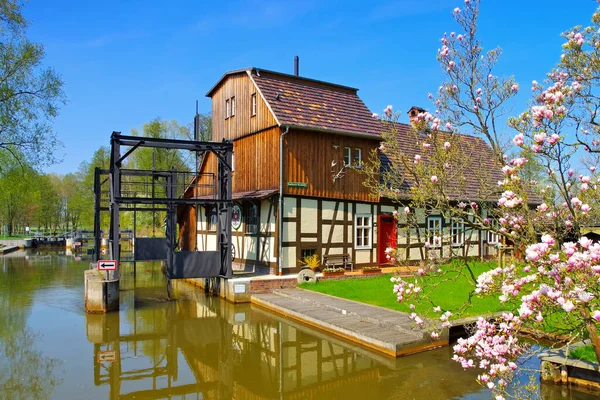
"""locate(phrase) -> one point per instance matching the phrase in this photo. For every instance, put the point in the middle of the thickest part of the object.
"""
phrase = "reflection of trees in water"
(25, 373)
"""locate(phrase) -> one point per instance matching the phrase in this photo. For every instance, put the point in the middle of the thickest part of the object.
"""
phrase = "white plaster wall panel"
(473, 249)
(325, 228)
(267, 250)
(310, 240)
(308, 222)
(201, 219)
(363, 256)
(289, 207)
(289, 231)
(211, 243)
(288, 259)
(250, 247)
(401, 219)
(336, 250)
(237, 242)
(402, 235)
(264, 217)
(362, 208)
(420, 214)
(341, 215)
(415, 254)
(350, 235)
(338, 234)
(328, 209)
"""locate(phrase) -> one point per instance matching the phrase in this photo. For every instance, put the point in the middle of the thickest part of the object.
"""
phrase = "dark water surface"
(195, 347)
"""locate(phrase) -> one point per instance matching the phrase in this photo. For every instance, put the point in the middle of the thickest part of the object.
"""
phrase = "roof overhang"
(335, 132)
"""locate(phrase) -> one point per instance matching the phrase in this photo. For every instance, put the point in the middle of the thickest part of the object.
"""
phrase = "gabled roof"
(477, 175)
(311, 104)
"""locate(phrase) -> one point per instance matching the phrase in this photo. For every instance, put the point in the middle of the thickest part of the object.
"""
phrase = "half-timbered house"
(295, 195)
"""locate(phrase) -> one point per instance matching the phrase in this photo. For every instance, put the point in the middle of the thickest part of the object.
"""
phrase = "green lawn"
(451, 293)
(583, 353)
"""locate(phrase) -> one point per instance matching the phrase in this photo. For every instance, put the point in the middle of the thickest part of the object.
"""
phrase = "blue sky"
(127, 62)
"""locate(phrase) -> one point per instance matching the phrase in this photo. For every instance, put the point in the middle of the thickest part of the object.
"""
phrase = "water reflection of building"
(210, 349)
(229, 352)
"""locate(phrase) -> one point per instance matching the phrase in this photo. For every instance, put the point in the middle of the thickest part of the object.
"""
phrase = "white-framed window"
(233, 106)
(251, 219)
(253, 104)
(357, 158)
(363, 230)
(347, 156)
(492, 237)
(434, 231)
(227, 109)
(458, 233)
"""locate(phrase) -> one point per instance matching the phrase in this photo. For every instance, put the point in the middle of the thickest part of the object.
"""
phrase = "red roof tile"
(311, 104)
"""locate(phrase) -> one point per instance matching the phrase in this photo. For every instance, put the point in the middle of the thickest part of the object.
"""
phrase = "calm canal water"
(195, 347)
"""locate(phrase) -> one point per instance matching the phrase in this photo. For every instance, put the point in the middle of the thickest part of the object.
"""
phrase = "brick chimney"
(413, 113)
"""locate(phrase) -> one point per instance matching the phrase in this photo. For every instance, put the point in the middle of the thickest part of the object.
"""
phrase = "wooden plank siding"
(243, 123)
(256, 159)
(308, 156)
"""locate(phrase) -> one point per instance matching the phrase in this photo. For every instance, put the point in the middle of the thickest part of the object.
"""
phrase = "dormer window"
(253, 104)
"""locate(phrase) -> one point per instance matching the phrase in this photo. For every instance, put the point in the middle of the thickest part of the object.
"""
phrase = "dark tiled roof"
(315, 105)
(478, 171)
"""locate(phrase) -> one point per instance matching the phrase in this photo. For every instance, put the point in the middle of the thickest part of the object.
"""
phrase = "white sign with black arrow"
(107, 265)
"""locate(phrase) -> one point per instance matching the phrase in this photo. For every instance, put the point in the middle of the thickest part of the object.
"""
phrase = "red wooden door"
(386, 236)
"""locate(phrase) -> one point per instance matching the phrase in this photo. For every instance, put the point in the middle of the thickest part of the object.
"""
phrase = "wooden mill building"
(295, 195)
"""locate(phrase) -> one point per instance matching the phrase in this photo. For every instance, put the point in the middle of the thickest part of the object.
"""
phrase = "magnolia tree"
(433, 166)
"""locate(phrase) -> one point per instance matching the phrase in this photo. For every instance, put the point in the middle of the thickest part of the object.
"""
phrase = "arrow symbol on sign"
(103, 265)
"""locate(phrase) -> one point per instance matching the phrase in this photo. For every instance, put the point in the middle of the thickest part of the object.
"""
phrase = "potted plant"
(313, 262)
(333, 271)
(370, 270)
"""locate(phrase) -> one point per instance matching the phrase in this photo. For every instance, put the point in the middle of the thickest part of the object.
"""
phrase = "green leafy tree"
(30, 94)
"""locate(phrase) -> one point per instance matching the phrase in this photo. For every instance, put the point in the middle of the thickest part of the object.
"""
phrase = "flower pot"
(370, 271)
(339, 273)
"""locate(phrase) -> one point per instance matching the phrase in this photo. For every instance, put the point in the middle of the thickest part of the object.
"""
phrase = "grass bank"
(450, 291)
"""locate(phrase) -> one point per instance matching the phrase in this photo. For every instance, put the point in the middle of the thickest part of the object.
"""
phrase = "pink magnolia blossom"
(446, 145)
(406, 210)
(388, 111)
(434, 179)
(375, 115)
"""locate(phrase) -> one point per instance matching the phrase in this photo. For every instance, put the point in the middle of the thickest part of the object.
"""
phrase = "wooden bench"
(333, 260)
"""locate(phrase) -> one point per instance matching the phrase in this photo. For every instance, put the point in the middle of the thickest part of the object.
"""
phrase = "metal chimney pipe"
(296, 66)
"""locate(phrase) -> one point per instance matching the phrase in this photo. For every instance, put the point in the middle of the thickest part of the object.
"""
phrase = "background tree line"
(50, 202)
